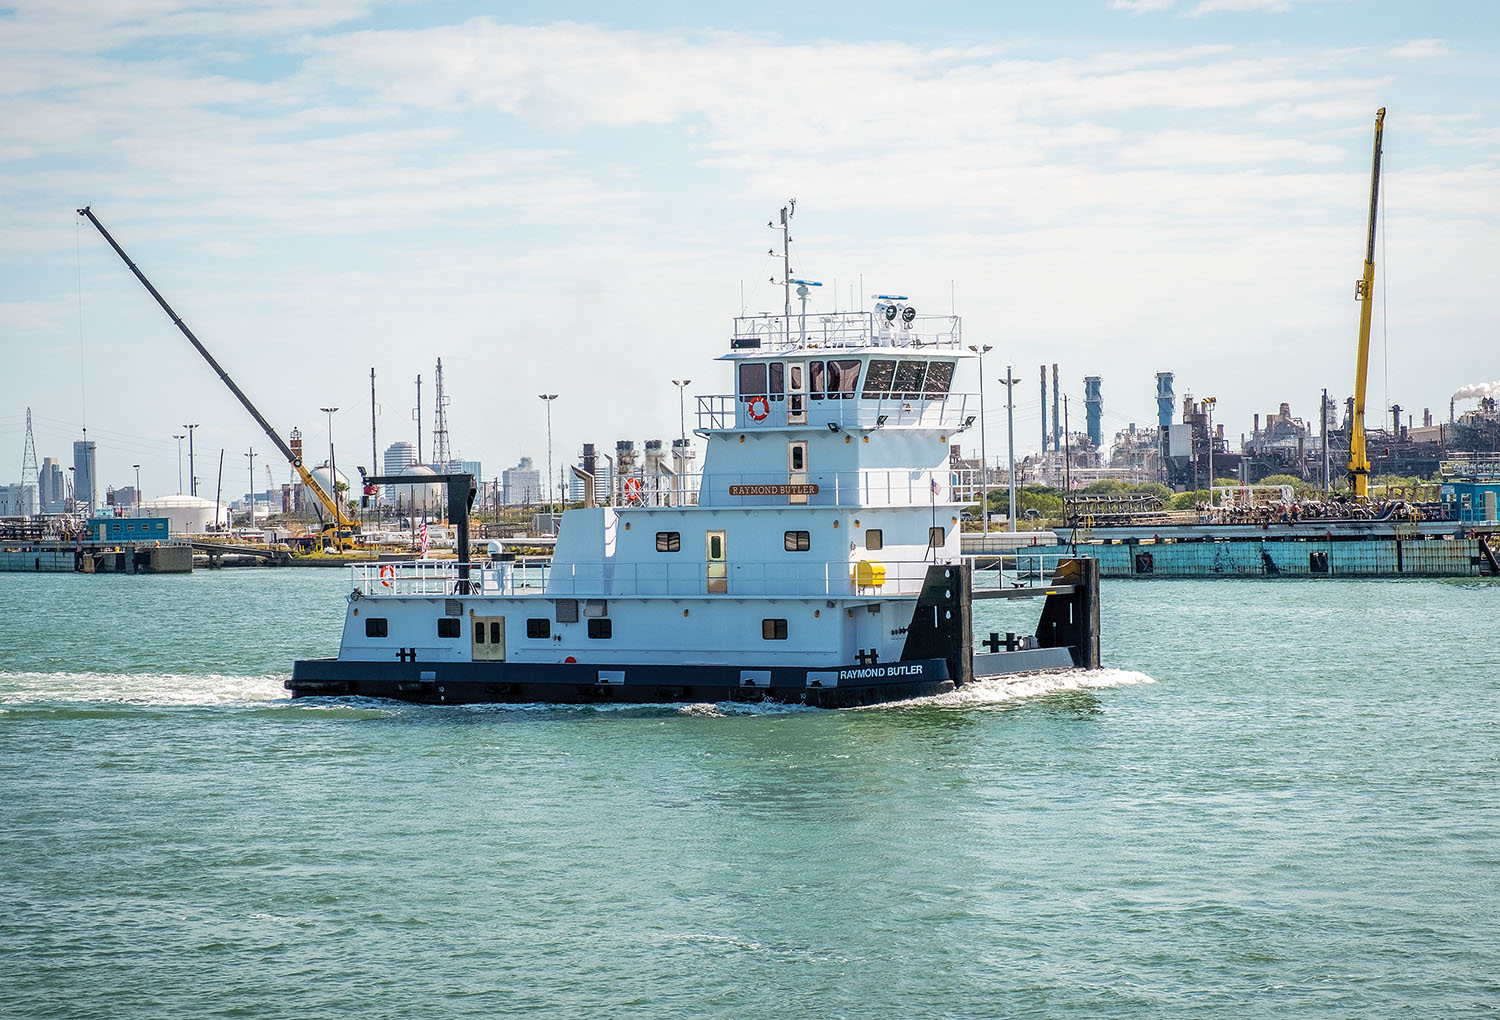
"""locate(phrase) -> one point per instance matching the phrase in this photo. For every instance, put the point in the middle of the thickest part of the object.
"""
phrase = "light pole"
(179, 461)
(984, 460)
(1010, 440)
(547, 399)
(251, 494)
(681, 413)
(192, 471)
(137, 489)
(333, 474)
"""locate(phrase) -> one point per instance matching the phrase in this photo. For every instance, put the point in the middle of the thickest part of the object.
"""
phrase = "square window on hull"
(377, 626)
(601, 627)
(449, 627)
(773, 630)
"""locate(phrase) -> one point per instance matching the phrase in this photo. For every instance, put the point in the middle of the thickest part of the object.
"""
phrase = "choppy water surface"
(1281, 800)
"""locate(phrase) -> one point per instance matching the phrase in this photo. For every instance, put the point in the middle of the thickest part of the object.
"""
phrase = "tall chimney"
(1044, 408)
(1056, 411)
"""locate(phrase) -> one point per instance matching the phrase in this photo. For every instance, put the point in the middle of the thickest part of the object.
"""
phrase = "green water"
(1282, 800)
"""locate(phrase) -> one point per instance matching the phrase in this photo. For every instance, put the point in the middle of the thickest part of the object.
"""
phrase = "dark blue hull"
(459, 683)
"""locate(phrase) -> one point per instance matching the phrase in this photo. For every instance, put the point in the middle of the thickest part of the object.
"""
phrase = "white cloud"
(1140, 6)
(524, 200)
(1240, 7)
(1420, 48)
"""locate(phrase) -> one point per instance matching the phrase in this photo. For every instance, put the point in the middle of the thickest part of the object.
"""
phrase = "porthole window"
(798, 541)
(773, 630)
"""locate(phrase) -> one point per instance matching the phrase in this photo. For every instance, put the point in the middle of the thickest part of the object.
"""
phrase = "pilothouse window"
(939, 378)
(843, 379)
(908, 384)
(878, 378)
(752, 380)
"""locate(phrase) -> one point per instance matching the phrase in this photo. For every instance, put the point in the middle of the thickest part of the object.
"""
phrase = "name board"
(773, 490)
(880, 672)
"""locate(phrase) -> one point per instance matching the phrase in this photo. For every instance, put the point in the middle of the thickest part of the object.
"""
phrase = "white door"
(718, 563)
(488, 642)
(796, 469)
(796, 393)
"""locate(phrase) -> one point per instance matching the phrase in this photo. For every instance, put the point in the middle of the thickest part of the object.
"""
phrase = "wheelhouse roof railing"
(775, 333)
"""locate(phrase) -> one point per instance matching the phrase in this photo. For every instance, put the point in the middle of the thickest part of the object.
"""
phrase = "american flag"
(935, 488)
(424, 538)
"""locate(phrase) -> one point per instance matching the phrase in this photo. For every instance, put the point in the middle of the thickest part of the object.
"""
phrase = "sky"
(572, 199)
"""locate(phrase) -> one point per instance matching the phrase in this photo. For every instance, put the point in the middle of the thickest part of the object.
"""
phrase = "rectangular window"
(878, 378)
(539, 628)
(599, 627)
(939, 378)
(752, 379)
(874, 539)
(908, 383)
(815, 380)
(937, 537)
(798, 541)
(843, 378)
(479, 632)
(773, 630)
(777, 385)
(798, 456)
(377, 626)
(449, 626)
(669, 541)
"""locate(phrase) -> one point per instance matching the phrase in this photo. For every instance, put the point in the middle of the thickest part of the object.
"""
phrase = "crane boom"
(342, 521)
(1364, 291)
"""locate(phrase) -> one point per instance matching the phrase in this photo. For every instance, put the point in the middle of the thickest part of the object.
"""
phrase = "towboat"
(815, 559)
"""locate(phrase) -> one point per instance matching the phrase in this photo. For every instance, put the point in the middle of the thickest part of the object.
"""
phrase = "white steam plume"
(1477, 390)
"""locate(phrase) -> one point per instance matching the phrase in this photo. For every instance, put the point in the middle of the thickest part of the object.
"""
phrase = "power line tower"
(440, 454)
(30, 473)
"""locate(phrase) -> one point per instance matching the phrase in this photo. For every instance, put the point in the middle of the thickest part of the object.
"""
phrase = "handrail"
(689, 579)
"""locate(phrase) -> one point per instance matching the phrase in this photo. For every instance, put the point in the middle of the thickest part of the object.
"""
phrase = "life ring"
(633, 489)
(387, 573)
(759, 408)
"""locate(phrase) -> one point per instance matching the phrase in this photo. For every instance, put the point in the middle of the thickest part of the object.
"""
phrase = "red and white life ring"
(633, 489)
(759, 408)
(387, 573)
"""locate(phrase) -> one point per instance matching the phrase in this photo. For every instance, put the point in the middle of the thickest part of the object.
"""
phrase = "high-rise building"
(85, 474)
(17, 500)
(398, 457)
(52, 491)
(521, 485)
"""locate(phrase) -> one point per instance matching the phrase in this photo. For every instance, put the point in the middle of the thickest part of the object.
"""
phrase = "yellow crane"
(1364, 293)
(344, 527)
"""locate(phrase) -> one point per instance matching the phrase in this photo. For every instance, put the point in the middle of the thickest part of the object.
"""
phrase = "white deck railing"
(724, 411)
(856, 488)
(609, 579)
(843, 329)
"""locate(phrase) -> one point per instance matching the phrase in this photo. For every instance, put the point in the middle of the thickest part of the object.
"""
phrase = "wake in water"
(999, 690)
(213, 690)
(152, 690)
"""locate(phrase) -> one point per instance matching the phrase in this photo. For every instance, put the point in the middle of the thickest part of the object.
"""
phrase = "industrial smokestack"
(1044, 408)
(1056, 411)
(1093, 405)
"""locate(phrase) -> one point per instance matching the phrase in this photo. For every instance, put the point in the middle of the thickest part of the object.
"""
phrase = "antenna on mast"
(787, 212)
(440, 454)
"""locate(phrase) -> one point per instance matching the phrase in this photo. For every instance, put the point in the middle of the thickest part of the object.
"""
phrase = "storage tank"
(419, 495)
(190, 515)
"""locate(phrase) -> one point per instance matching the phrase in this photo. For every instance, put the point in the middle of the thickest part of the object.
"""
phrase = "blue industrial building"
(129, 529)
(1472, 500)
